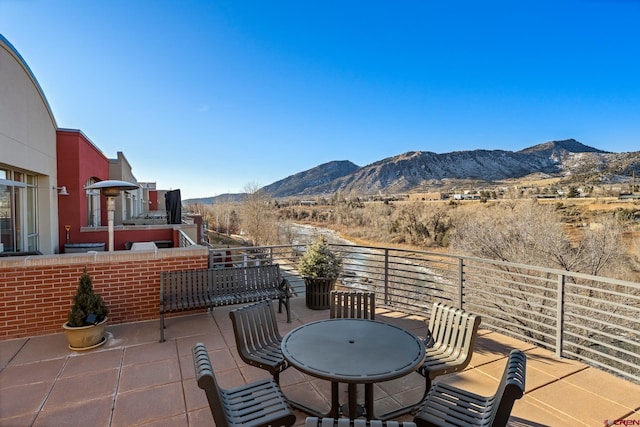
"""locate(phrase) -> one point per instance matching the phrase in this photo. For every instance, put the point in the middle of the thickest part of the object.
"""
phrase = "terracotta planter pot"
(85, 337)
(318, 290)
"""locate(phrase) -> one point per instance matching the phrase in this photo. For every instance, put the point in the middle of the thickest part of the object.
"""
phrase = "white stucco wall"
(28, 137)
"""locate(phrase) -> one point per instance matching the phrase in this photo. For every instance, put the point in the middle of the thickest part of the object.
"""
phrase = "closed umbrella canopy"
(173, 203)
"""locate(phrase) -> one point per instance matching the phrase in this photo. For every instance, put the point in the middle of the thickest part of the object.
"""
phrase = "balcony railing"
(592, 319)
(184, 239)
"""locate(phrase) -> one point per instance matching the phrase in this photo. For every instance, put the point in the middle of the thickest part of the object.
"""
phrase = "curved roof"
(26, 67)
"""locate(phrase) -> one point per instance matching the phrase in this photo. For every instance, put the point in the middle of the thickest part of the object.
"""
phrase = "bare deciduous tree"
(258, 216)
(601, 249)
(423, 224)
(526, 232)
(222, 217)
(531, 233)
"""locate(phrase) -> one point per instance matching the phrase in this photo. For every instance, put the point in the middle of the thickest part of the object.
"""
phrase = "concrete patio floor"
(133, 380)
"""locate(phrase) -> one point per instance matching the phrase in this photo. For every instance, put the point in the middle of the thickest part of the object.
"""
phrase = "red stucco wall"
(124, 234)
(153, 200)
(78, 160)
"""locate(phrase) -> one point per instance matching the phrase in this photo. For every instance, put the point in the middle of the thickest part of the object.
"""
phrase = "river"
(362, 266)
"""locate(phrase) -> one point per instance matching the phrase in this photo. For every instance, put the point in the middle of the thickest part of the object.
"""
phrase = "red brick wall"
(36, 292)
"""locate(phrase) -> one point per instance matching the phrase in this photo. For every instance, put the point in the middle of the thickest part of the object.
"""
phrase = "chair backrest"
(255, 327)
(446, 404)
(358, 422)
(207, 381)
(510, 389)
(453, 329)
(352, 305)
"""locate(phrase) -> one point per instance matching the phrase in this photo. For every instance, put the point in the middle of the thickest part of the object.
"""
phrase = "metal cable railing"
(184, 239)
(592, 319)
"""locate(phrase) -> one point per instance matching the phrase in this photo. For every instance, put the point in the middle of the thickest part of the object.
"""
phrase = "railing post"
(560, 315)
(386, 276)
(460, 283)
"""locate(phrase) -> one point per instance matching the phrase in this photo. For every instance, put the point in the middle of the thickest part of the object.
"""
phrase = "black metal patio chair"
(257, 337)
(352, 305)
(448, 347)
(447, 405)
(258, 404)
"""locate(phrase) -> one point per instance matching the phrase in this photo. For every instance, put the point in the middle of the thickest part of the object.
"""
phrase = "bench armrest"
(285, 286)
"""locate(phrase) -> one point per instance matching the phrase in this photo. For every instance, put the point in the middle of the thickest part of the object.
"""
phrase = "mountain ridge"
(414, 171)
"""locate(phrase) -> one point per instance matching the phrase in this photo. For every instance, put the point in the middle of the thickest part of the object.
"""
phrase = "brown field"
(532, 182)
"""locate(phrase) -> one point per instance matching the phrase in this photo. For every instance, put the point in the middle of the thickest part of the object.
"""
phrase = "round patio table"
(353, 351)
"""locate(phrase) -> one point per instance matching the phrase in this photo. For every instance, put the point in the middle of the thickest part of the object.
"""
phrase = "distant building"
(150, 197)
(466, 197)
(429, 196)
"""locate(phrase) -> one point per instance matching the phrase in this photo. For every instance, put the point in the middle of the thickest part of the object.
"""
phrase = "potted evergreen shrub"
(319, 267)
(87, 319)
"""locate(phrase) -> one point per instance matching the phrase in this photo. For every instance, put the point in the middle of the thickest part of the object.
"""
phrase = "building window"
(32, 208)
(18, 211)
(93, 205)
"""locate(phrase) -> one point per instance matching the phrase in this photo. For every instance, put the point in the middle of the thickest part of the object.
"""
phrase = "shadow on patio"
(135, 380)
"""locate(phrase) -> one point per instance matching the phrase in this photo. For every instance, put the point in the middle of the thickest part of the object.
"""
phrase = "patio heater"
(111, 189)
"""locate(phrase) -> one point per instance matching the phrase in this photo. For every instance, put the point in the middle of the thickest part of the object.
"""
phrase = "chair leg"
(335, 400)
(352, 400)
(286, 307)
(427, 387)
(162, 328)
(368, 400)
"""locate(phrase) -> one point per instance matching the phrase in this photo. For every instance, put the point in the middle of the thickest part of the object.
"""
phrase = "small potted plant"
(87, 319)
(319, 267)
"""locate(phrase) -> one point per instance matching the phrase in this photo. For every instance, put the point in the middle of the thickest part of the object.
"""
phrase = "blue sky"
(211, 96)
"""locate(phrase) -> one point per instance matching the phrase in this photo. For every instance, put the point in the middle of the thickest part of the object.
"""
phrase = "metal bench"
(352, 305)
(259, 404)
(448, 348)
(358, 422)
(257, 337)
(205, 289)
(447, 405)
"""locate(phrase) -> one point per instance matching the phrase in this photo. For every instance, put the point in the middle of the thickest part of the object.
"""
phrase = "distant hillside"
(569, 160)
(222, 198)
(310, 179)
(416, 170)
(420, 170)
